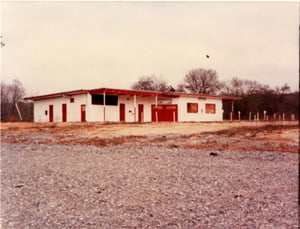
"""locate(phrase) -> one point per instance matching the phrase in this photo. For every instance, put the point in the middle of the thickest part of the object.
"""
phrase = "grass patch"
(250, 130)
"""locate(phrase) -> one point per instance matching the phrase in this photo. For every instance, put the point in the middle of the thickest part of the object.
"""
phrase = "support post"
(19, 111)
(232, 110)
(134, 107)
(104, 107)
(156, 115)
(174, 116)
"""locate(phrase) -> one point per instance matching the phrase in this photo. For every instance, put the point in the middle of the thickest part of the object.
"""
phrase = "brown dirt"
(242, 136)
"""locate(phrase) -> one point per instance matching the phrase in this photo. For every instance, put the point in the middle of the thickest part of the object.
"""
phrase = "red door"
(164, 113)
(122, 112)
(64, 112)
(83, 113)
(141, 112)
(50, 113)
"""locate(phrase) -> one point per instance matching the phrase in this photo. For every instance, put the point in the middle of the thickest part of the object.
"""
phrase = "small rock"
(213, 154)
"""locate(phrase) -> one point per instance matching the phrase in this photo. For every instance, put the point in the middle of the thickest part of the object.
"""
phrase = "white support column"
(174, 117)
(134, 107)
(104, 107)
(156, 115)
(232, 109)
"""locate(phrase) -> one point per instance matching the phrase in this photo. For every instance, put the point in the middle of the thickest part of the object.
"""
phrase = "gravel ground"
(156, 181)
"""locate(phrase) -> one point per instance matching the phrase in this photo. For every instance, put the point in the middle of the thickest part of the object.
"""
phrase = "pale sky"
(60, 46)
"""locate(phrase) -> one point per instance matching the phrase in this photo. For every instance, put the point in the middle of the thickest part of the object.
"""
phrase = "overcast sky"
(59, 46)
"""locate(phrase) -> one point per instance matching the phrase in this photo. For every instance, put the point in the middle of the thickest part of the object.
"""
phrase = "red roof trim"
(55, 95)
(176, 94)
(124, 92)
(127, 92)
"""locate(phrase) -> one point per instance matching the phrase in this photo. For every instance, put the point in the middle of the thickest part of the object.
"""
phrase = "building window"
(109, 100)
(210, 108)
(72, 100)
(192, 108)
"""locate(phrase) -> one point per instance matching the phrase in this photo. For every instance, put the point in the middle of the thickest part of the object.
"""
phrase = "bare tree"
(151, 83)
(4, 93)
(10, 95)
(284, 89)
(201, 81)
(181, 88)
(241, 87)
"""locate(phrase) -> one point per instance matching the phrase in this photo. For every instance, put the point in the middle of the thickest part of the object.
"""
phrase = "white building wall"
(218, 116)
(95, 113)
(128, 100)
(184, 116)
(130, 108)
(73, 109)
(39, 109)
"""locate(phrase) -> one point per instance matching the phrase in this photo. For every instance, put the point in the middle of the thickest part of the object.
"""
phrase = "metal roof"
(126, 92)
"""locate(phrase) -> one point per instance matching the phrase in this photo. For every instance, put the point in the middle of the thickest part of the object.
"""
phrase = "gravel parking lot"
(65, 177)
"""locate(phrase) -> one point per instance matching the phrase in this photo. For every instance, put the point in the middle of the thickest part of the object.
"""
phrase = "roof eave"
(56, 95)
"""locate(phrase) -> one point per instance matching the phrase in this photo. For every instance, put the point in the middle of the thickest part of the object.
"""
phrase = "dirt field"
(283, 139)
(166, 175)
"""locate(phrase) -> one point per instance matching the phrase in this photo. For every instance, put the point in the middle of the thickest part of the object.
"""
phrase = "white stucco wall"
(201, 116)
(128, 100)
(73, 109)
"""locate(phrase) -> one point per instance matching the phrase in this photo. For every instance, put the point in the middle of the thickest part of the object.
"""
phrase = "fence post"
(292, 117)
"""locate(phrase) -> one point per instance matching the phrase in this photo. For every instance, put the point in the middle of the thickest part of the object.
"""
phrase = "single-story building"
(116, 105)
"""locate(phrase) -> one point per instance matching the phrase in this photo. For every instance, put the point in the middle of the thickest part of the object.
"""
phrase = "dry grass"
(252, 130)
(281, 137)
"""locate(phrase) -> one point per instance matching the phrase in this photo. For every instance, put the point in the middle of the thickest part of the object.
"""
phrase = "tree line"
(257, 100)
